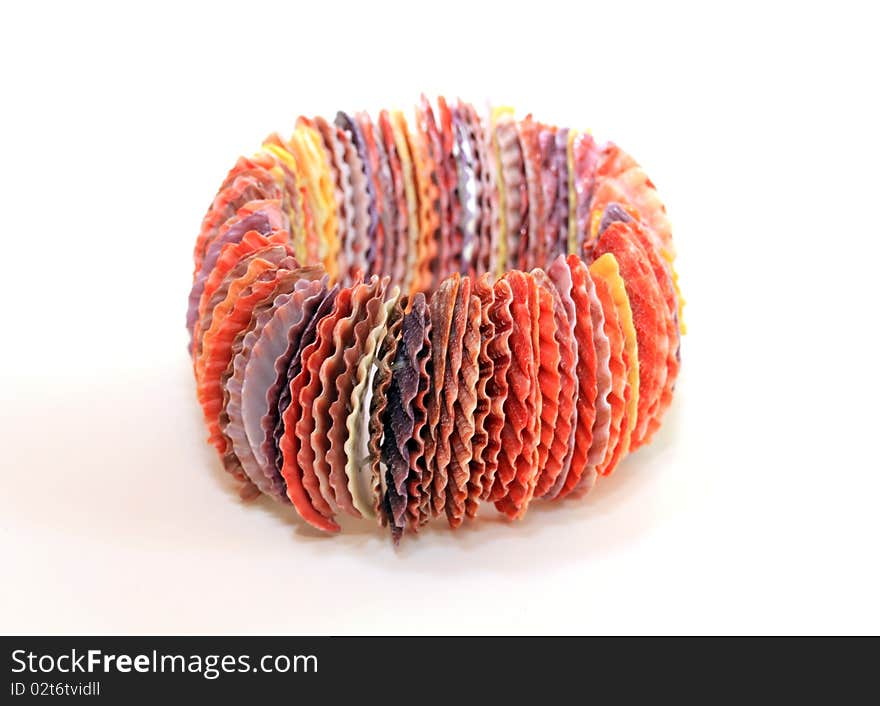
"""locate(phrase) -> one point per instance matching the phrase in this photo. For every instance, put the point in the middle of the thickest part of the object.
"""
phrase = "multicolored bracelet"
(402, 322)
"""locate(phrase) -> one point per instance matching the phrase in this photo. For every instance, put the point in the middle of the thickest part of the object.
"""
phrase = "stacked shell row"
(403, 320)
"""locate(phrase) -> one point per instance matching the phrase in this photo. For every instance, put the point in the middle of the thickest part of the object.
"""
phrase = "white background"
(756, 508)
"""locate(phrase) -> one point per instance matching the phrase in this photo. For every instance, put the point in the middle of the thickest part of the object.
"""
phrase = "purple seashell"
(399, 415)
(389, 215)
(345, 122)
(308, 335)
(468, 189)
(234, 427)
(549, 190)
(268, 361)
(562, 193)
(613, 212)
